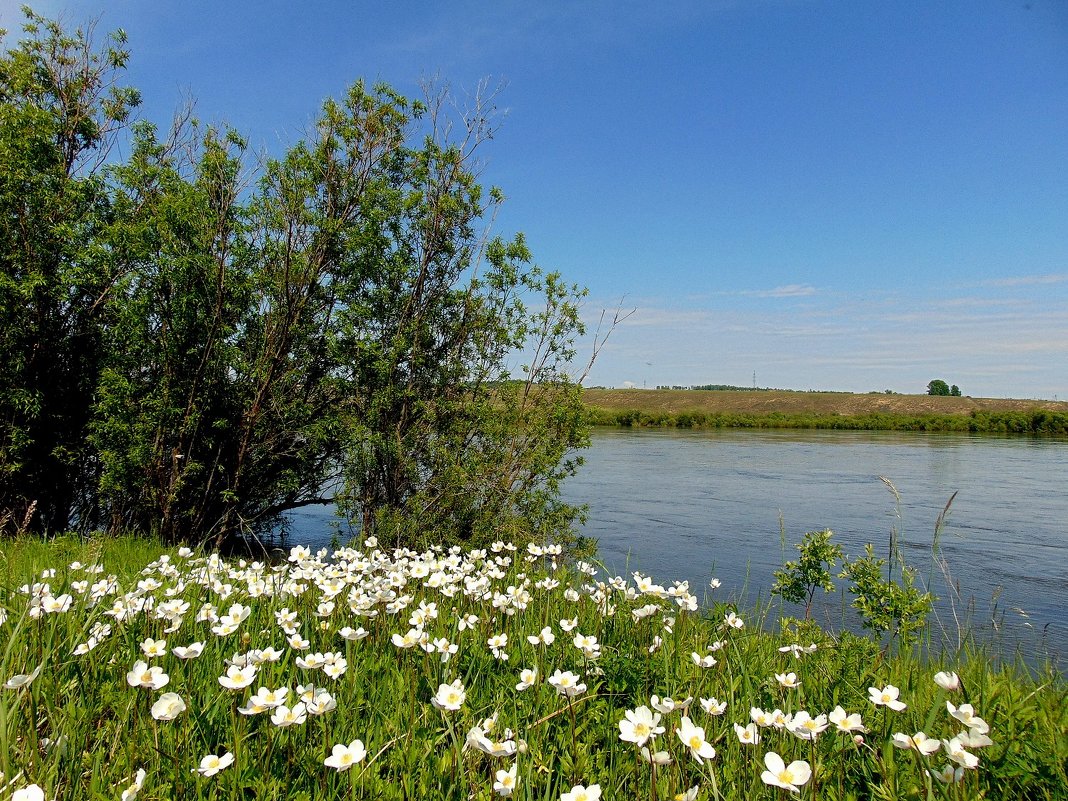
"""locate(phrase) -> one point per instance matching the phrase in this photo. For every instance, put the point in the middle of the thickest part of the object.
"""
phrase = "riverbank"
(684, 408)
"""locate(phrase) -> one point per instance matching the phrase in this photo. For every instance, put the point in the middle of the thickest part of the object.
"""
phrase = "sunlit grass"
(457, 675)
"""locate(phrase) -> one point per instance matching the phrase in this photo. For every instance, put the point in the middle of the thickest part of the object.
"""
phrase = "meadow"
(774, 408)
(132, 671)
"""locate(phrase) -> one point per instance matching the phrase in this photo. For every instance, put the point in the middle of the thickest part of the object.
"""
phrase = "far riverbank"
(683, 408)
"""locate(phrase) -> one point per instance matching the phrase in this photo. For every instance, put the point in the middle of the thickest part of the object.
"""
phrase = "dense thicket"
(192, 347)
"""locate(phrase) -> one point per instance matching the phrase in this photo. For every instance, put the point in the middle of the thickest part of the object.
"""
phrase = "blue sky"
(834, 195)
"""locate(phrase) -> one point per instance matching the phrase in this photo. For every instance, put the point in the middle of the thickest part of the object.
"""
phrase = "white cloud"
(788, 291)
(989, 346)
(1028, 280)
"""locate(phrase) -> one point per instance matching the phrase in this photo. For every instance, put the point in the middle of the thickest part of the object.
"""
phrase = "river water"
(700, 504)
(693, 505)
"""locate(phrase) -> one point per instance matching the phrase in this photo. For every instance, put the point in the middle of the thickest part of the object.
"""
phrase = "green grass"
(80, 731)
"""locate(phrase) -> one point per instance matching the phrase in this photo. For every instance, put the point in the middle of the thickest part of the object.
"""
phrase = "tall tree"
(60, 109)
(192, 348)
(340, 332)
(938, 387)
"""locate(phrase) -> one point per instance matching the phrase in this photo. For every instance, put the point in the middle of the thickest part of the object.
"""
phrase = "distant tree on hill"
(938, 387)
(954, 391)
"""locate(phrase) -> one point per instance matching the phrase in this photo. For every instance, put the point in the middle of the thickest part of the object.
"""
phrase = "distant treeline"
(732, 388)
(1036, 421)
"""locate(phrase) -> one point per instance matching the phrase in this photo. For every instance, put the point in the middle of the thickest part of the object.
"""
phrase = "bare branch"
(599, 338)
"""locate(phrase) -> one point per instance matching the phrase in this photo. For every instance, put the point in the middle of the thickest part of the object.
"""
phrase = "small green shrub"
(798, 581)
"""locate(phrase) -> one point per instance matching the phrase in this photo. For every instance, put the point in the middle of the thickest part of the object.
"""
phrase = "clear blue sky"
(842, 195)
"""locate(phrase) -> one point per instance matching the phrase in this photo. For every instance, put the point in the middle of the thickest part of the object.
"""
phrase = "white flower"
(585, 642)
(639, 725)
(703, 661)
(20, 680)
(131, 792)
(732, 621)
(956, 752)
(449, 697)
(966, 715)
(887, 696)
(668, 705)
(949, 775)
(713, 706)
(55, 604)
(191, 651)
(546, 637)
(693, 737)
(846, 723)
(342, 757)
(567, 684)
(237, 678)
(506, 781)
(144, 676)
(285, 716)
(212, 764)
(580, 793)
(806, 727)
(270, 699)
(796, 649)
(321, 703)
(657, 758)
(947, 681)
(30, 793)
(919, 741)
(154, 648)
(527, 678)
(760, 717)
(787, 680)
(168, 707)
(778, 774)
(747, 735)
(973, 738)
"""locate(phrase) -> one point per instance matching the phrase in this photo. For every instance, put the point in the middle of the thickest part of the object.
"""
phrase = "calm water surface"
(695, 505)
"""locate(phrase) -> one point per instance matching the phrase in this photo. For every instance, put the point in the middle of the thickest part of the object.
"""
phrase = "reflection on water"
(693, 504)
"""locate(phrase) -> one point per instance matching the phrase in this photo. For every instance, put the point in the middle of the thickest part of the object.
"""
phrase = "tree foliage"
(938, 387)
(798, 581)
(243, 338)
(61, 107)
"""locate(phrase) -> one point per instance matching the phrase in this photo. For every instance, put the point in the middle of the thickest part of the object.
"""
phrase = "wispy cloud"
(980, 303)
(1027, 280)
(787, 291)
(990, 346)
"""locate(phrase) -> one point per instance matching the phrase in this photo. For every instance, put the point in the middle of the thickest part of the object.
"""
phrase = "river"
(693, 505)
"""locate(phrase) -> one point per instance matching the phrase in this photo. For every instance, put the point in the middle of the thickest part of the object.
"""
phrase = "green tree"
(889, 604)
(938, 387)
(193, 346)
(798, 581)
(954, 391)
(61, 108)
(343, 335)
(215, 413)
(446, 440)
